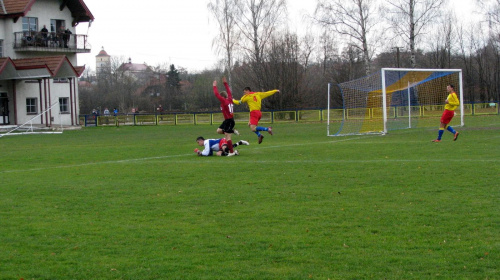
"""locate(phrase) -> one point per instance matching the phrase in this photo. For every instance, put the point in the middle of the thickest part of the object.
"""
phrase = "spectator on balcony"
(45, 33)
(60, 35)
(66, 36)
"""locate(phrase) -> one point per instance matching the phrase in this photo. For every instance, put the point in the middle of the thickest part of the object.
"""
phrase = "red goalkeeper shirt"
(226, 104)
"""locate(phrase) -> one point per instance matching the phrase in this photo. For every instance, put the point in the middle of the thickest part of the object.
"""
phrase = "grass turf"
(137, 203)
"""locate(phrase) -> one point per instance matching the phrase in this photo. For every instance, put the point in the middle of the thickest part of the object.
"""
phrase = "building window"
(31, 106)
(61, 80)
(1, 48)
(64, 105)
(30, 24)
(55, 25)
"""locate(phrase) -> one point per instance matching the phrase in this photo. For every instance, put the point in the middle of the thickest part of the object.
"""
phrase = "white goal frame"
(30, 129)
(382, 83)
(384, 93)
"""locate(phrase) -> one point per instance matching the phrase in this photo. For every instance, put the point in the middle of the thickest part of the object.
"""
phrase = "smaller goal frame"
(384, 87)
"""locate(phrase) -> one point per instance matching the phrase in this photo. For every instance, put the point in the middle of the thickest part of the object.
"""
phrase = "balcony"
(50, 42)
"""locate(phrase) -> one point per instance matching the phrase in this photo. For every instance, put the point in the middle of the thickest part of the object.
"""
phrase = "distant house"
(135, 70)
(38, 60)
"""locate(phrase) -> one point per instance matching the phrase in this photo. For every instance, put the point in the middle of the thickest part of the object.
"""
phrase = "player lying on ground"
(219, 146)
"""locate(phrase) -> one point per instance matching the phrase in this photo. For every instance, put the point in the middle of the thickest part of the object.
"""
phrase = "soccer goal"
(29, 127)
(394, 98)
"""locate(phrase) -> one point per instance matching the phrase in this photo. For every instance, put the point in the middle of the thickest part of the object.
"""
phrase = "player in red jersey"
(226, 106)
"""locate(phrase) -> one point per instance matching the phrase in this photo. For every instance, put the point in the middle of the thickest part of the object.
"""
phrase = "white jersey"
(210, 145)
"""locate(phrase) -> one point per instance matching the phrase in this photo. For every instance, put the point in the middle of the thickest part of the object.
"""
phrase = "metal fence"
(318, 115)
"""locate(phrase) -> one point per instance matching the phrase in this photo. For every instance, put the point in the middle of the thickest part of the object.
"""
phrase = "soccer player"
(452, 102)
(219, 146)
(226, 106)
(254, 102)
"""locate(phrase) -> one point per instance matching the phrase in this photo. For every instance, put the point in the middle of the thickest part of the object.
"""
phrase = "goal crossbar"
(383, 100)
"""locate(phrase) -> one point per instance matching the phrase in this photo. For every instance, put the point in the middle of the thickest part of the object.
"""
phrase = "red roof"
(19, 8)
(134, 67)
(54, 64)
(102, 53)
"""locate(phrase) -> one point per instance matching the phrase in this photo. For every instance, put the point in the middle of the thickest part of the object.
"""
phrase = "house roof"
(134, 67)
(7, 68)
(19, 8)
(103, 53)
(59, 66)
(79, 70)
(38, 67)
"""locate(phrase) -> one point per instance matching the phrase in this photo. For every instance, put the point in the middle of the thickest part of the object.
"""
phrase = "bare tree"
(350, 18)
(327, 49)
(442, 43)
(410, 18)
(258, 20)
(491, 8)
(224, 12)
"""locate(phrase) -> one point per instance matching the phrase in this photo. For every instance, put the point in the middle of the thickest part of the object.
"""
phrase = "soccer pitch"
(137, 203)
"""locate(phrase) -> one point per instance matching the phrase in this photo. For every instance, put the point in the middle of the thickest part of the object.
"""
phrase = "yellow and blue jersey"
(453, 102)
(254, 99)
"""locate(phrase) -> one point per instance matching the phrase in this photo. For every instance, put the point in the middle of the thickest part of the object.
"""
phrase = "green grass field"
(137, 203)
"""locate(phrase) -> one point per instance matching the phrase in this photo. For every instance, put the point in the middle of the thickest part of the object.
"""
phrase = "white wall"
(44, 10)
(32, 90)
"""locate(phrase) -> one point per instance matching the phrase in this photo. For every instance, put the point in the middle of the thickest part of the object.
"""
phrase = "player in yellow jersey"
(452, 102)
(254, 102)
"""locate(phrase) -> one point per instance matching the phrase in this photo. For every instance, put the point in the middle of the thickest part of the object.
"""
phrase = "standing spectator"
(115, 113)
(66, 36)
(45, 33)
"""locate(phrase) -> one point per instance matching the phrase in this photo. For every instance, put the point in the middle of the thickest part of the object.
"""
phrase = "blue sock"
(450, 129)
(440, 134)
(257, 132)
(260, 128)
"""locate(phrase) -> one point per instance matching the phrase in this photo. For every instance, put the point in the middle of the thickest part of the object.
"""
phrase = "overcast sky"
(178, 32)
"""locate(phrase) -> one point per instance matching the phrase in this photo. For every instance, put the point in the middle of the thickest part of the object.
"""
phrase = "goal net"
(33, 125)
(395, 98)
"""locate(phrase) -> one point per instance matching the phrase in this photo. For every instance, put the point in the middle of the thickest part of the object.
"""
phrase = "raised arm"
(268, 93)
(216, 92)
(228, 90)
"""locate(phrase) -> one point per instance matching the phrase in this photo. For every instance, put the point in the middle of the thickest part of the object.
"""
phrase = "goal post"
(30, 128)
(396, 98)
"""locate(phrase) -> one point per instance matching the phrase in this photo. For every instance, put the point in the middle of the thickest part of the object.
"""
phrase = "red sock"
(230, 145)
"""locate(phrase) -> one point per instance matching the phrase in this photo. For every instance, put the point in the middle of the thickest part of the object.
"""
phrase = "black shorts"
(227, 126)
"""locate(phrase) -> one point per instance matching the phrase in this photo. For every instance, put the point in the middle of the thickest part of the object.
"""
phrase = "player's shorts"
(447, 116)
(228, 125)
(255, 117)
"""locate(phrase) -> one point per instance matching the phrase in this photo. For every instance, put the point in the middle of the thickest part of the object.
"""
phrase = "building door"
(4, 108)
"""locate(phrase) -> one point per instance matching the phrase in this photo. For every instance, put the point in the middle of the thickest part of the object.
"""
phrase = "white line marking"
(260, 161)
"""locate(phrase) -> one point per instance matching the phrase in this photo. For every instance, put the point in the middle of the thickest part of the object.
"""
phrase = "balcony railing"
(51, 42)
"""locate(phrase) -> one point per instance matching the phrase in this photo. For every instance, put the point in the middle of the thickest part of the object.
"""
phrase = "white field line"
(258, 161)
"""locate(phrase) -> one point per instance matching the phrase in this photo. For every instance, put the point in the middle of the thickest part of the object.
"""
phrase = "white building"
(38, 66)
